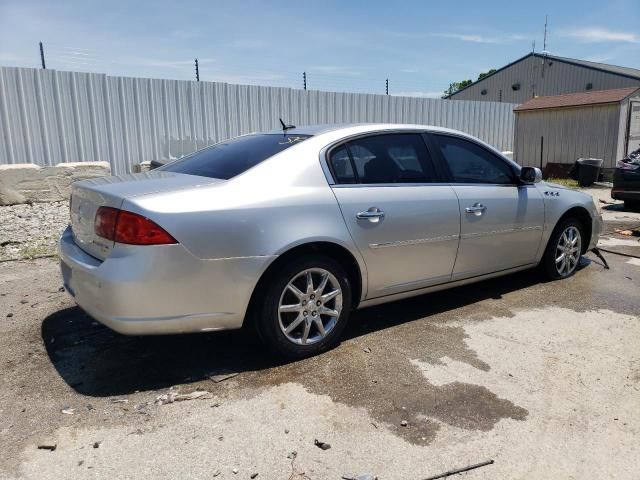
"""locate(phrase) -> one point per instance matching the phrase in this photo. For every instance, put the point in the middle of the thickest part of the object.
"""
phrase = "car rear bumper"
(622, 194)
(626, 184)
(164, 289)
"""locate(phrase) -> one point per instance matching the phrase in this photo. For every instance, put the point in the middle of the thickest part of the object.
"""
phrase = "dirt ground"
(542, 378)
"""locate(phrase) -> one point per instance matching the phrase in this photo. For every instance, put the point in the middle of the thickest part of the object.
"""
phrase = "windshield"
(227, 159)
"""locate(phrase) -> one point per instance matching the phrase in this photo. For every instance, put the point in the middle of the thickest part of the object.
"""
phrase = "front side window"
(470, 163)
(389, 158)
(227, 159)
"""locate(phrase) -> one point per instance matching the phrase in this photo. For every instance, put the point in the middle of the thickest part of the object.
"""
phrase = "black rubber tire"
(548, 262)
(632, 205)
(266, 312)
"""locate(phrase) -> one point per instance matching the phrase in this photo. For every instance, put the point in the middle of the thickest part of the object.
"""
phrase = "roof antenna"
(286, 127)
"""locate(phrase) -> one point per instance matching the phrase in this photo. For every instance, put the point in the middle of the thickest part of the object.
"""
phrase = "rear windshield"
(230, 158)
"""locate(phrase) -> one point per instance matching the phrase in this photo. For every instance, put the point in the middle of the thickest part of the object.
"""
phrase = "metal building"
(560, 129)
(539, 74)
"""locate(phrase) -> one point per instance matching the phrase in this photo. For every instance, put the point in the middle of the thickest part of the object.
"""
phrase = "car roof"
(360, 127)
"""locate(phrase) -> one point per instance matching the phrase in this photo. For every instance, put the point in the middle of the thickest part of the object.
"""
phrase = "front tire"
(305, 307)
(562, 255)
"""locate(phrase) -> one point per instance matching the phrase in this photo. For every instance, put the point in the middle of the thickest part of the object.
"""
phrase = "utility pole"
(544, 44)
(386, 87)
(197, 71)
(44, 66)
(304, 80)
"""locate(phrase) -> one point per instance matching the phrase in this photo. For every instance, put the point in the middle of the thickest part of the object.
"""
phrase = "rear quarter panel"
(277, 205)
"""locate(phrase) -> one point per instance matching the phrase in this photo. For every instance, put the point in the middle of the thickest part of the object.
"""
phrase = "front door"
(501, 221)
(406, 229)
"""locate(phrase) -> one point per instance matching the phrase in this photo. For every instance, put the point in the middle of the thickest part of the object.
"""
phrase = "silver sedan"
(291, 230)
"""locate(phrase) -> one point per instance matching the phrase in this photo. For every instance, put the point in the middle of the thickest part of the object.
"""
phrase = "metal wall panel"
(552, 78)
(569, 133)
(48, 117)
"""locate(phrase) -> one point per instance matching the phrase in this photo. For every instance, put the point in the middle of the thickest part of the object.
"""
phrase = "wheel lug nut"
(304, 302)
(313, 313)
(318, 303)
(305, 313)
(312, 297)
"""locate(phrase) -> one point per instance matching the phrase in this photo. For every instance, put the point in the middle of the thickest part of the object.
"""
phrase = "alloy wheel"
(568, 251)
(310, 306)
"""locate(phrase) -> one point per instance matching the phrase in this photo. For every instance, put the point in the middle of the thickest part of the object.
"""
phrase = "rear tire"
(304, 307)
(562, 255)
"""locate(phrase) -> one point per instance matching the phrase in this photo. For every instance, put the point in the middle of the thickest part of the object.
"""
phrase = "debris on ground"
(364, 476)
(68, 411)
(404, 423)
(48, 446)
(221, 377)
(172, 397)
(292, 455)
(460, 470)
(119, 400)
(322, 445)
(96, 444)
(254, 475)
(626, 233)
(235, 471)
(9, 315)
(366, 350)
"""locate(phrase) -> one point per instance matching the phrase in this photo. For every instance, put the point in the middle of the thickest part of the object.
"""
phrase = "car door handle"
(373, 214)
(477, 209)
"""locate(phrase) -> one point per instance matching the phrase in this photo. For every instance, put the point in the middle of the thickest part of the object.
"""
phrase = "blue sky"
(420, 46)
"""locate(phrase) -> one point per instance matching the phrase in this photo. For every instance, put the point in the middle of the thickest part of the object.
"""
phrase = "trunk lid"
(89, 195)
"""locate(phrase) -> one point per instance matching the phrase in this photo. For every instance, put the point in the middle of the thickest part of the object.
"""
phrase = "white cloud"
(597, 35)
(466, 37)
(480, 38)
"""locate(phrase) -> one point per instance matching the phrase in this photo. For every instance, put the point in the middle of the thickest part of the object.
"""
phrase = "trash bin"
(588, 170)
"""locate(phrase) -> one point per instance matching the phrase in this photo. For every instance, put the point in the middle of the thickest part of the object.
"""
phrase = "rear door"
(501, 221)
(405, 224)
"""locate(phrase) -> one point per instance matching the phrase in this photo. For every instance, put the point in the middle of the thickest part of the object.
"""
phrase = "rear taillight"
(128, 227)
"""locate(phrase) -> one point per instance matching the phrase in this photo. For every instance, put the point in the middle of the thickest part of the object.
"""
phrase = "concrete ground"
(542, 378)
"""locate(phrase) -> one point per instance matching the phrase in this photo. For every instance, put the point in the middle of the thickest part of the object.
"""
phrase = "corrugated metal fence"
(47, 117)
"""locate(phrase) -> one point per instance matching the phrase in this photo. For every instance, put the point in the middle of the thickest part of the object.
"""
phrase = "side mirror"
(530, 175)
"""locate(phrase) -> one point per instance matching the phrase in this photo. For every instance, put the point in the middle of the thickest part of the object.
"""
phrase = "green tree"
(484, 74)
(456, 86)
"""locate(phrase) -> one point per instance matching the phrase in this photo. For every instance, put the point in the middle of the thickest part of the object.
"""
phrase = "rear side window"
(227, 159)
(390, 158)
(470, 163)
(341, 166)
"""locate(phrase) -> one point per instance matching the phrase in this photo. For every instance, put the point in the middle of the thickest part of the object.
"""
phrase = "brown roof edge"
(577, 99)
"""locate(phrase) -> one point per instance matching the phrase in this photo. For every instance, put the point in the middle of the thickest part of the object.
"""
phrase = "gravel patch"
(31, 230)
